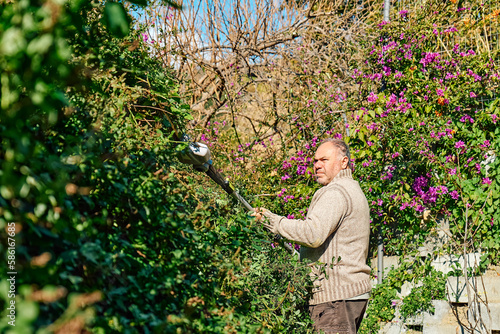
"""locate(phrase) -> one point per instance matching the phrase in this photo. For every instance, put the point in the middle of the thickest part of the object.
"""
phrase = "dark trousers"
(341, 316)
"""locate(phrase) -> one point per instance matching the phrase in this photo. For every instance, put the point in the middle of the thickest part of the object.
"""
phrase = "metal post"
(380, 246)
(387, 7)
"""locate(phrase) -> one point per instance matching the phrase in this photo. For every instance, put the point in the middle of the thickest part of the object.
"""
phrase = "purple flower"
(454, 194)
(439, 92)
(372, 97)
(459, 144)
(301, 170)
(466, 118)
(453, 171)
(486, 180)
(472, 94)
(419, 183)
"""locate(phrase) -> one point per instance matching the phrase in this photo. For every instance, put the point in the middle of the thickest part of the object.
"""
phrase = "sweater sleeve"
(322, 220)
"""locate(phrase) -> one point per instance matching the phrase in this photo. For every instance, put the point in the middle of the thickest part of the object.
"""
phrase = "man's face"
(327, 163)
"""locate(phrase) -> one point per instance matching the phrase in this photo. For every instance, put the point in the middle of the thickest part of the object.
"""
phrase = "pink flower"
(486, 144)
(472, 95)
(372, 97)
(454, 194)
(486, 180)
(453, 171)
(459, 144)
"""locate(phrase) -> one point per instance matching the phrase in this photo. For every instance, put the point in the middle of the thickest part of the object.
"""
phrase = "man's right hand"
(257, 213)
(265, 217)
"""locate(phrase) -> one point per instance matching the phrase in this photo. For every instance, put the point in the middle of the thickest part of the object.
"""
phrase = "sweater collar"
(343, 174)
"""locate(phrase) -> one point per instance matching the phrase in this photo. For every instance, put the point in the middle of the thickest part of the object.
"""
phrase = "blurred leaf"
(116, 19)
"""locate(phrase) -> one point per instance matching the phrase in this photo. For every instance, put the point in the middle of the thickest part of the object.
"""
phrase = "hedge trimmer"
(198, 155)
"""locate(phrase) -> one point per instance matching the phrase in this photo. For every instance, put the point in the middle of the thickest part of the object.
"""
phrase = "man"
(334, 238)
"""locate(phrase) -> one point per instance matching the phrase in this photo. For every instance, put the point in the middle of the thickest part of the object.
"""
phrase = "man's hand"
(257, 213)
(267, 219)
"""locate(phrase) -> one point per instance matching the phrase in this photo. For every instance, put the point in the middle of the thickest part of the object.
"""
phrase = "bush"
(111, 233)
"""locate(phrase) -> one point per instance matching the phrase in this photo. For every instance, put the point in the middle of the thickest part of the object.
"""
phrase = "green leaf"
(116, 19)
(172, 4)
(141, 3)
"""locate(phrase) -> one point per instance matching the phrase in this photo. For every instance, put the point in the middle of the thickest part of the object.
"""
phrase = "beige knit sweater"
(335, 237)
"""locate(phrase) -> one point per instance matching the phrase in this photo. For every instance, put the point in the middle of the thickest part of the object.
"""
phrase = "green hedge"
(111, 233)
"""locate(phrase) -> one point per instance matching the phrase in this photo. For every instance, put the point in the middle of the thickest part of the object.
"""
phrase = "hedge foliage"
(111, 233)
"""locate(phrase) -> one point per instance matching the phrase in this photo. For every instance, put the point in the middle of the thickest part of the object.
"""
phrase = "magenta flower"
(478, 168)
(372, 97)
(454, 194)
(459, 144)
(453, 171)
(439, 92)
(472, 94)
(486, 180)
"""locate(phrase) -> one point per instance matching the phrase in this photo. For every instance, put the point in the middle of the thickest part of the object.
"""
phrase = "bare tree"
(249, 62)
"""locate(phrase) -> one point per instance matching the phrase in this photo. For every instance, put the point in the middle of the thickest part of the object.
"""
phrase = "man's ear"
(344, 162)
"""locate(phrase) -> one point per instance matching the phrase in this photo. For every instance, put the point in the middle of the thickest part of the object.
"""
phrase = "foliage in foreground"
(110, 233)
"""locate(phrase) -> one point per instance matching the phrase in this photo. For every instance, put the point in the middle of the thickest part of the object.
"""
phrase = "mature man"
(334, 237)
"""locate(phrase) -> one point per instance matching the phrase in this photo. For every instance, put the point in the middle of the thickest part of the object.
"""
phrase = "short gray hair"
(342, 147)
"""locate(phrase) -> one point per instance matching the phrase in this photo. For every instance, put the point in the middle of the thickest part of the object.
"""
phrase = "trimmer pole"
(198, 155)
